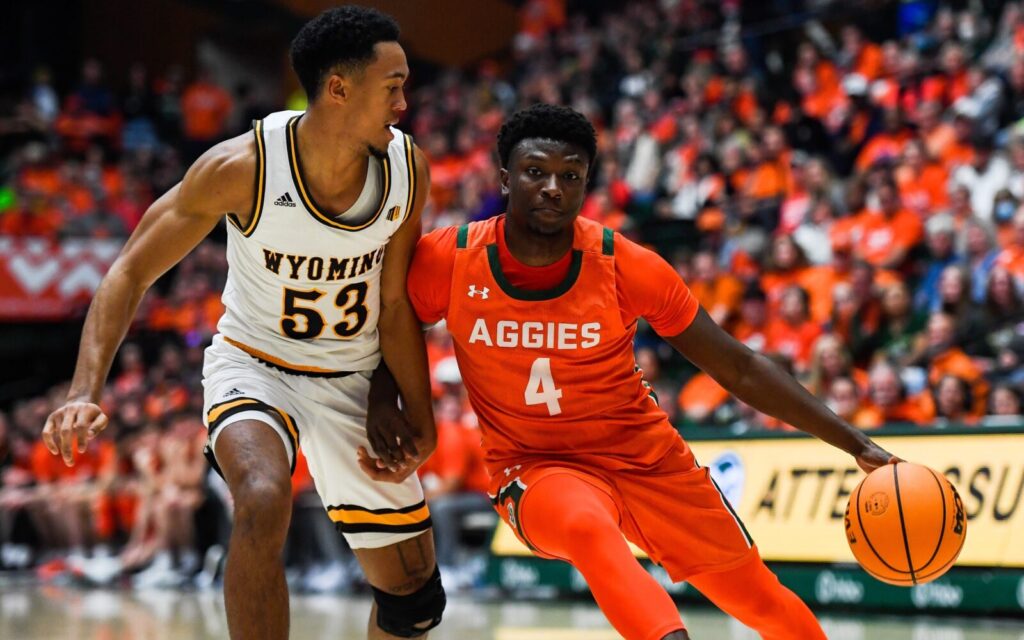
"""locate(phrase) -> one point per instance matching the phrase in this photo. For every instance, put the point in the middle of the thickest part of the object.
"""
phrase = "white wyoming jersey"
(303, 286)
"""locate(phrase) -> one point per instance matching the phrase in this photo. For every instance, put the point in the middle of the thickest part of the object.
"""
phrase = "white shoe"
(101, 571)
(159, 575)
(207, 577)
(331, 578)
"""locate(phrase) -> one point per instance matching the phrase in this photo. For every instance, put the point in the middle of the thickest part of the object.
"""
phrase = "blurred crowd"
(845, 199)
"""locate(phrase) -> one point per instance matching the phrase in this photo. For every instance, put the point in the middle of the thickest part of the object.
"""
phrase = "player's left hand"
(873, 456)
(378, 470)
(391, 436)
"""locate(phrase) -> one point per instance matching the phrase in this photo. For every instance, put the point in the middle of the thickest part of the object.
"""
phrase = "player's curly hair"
(549, 121)
(341, 37)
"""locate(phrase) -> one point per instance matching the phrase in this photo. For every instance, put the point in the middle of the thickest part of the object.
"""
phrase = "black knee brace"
(412, 615)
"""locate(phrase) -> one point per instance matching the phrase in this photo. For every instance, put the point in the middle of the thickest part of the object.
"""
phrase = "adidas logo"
(285, 200)
(234, 392)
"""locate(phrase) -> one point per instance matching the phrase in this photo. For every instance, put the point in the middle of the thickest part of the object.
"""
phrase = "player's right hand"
(75, 421)
(379, 470)
(391, 436)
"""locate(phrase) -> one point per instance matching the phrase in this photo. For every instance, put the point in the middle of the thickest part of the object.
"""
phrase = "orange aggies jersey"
(551, 374)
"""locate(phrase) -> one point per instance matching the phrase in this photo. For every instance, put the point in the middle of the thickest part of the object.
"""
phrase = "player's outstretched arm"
(219, 182)
(759, 382)
(402, 346)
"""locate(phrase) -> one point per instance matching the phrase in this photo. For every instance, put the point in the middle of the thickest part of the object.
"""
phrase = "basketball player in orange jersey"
(543, 308)
(323, 213)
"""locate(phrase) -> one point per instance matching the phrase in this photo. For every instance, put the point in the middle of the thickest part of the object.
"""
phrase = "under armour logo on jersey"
(473, 291)
(285, 200)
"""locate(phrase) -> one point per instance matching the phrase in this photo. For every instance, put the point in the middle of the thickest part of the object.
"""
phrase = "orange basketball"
(905, 524)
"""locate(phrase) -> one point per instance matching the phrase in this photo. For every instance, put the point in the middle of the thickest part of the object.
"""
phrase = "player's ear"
(337, 88)
(503, 178)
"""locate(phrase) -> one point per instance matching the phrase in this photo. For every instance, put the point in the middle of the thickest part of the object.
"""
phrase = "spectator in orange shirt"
(959, 151)
(887, 145)
(821, 281)
(770, 179)
(817, 81)
(719, 293)
(34, 216)
(847, 228)
(599, 207)
(752, 322)
(177, 496)
(700, 398)
(953, 60)
(793, 333)
(859, 55)
(942, 356)
(889, 234)
(922, 182)
(940, 138)
(799, 198)
(205, 108)
(1011, 257)
(537, 18)
(844, 398)
(70, 494)
(89, 114)
(887, 400)
(785, 266)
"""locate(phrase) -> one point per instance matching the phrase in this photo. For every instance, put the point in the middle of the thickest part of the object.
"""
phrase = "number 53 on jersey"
(301, 318)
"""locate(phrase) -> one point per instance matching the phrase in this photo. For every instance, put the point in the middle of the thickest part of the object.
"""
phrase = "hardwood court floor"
(52, 613)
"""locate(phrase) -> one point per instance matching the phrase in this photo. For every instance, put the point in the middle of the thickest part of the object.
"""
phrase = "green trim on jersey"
(523, 294)
(608, 242)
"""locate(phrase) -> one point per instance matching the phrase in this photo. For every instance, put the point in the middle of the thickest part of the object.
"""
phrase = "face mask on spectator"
(1003, 211)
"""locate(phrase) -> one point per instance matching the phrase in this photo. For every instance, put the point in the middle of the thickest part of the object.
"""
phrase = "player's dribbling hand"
(76, 421)
(391, 436)
(874, 456)
(376, 468)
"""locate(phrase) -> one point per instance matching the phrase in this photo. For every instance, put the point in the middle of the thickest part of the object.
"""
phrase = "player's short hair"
(341, 38)
(550, 122)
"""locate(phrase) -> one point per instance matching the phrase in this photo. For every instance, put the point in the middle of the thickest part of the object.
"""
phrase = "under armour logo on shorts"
(473, 291)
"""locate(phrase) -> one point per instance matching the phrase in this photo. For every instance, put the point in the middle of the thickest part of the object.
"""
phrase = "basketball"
(905, 524)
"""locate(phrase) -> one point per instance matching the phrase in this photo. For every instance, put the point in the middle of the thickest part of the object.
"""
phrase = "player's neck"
(535, 249)
(331, 161)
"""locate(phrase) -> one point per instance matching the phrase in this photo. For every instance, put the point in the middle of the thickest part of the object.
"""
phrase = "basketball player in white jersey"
(323, 211)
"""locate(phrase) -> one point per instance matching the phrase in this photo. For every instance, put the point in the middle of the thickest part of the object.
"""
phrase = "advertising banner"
(44, 280)
(791, 493)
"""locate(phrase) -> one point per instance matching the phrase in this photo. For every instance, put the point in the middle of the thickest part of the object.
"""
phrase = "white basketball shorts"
(326, 418)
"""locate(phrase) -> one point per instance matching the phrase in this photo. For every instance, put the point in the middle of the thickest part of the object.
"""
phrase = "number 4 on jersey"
(541, 388)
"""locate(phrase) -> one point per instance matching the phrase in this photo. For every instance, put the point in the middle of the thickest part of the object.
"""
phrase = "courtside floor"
(58, 613)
